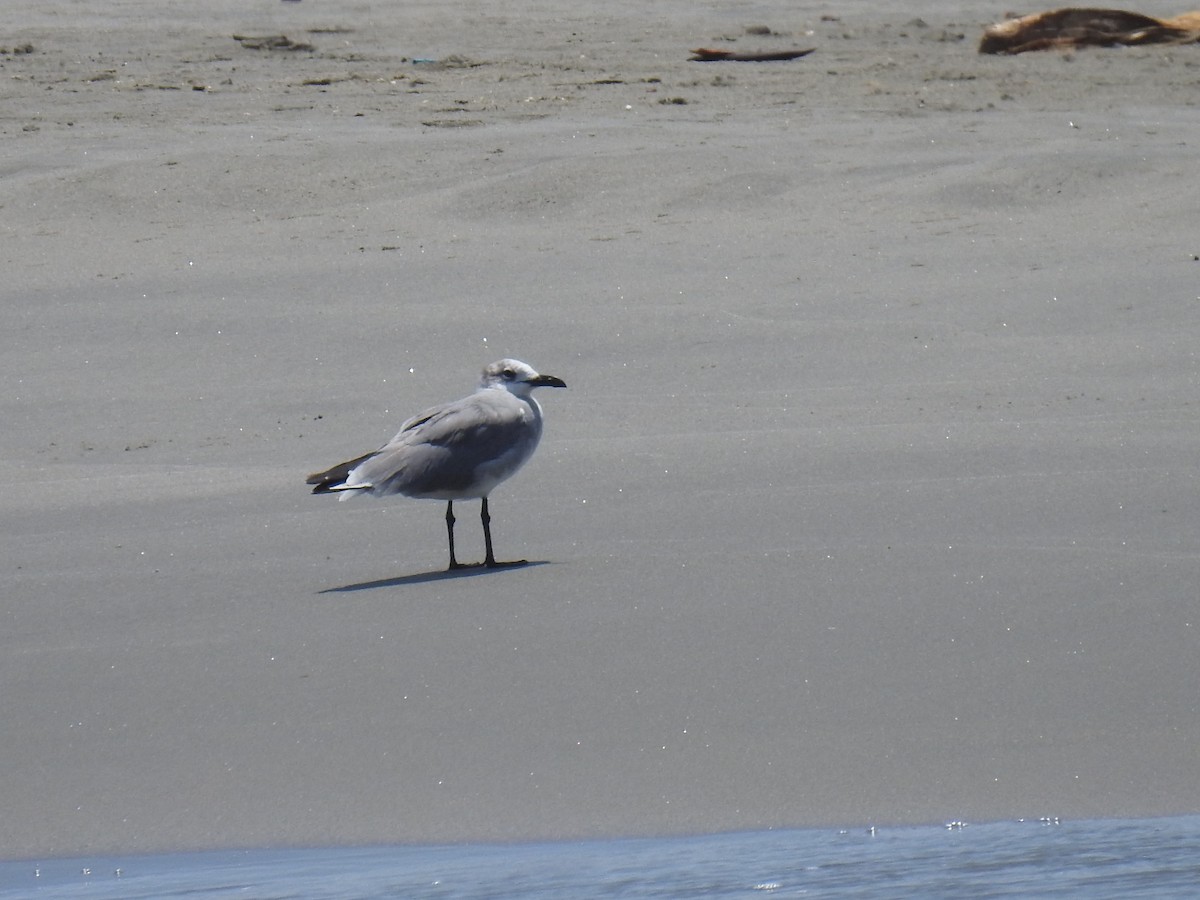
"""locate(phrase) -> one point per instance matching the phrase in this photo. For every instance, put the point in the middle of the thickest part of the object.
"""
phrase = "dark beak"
(547, 381)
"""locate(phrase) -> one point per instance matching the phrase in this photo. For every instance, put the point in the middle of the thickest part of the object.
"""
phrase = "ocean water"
(1033, 858)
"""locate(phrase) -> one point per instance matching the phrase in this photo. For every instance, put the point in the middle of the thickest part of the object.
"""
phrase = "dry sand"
(874, 497)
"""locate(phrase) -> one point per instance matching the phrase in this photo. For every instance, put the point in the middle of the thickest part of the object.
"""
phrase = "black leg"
(489, 558)
(454, 564)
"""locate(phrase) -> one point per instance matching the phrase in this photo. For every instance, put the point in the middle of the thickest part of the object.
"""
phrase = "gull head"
(516, 377)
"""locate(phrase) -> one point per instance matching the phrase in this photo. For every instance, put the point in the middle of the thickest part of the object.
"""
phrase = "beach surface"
(874, 497)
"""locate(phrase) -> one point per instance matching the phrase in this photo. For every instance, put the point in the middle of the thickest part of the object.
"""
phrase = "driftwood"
(705, 54)
(1065, 28)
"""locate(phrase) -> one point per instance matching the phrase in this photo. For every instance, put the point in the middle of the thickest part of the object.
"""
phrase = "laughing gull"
(455, 451)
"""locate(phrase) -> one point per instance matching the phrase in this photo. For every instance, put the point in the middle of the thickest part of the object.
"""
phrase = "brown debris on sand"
(705, 54)
(271, 42)
(1067, 28)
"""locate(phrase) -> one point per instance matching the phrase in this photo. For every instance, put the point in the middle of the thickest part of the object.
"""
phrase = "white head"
(516, 377)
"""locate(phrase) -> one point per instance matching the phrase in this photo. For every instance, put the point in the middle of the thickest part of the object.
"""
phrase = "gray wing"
(452, 450)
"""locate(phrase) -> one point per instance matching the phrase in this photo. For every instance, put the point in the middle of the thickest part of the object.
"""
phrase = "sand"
(874, 497)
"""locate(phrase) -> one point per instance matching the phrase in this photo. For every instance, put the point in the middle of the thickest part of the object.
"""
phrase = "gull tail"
(334, 479)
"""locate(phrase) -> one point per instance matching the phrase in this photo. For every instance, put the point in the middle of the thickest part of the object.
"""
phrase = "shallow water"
(1090, 859)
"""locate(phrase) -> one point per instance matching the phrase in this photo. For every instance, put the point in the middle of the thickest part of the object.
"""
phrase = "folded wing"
(460, 449)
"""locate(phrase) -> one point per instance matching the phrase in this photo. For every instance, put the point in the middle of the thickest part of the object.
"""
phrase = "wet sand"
(873, 498)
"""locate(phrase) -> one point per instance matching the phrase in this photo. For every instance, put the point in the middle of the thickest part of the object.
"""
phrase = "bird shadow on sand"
(426, 577)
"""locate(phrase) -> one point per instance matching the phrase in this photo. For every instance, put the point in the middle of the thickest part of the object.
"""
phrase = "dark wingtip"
(329, 479)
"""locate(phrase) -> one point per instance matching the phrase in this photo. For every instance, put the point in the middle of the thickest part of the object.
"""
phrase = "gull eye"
(508, 374)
